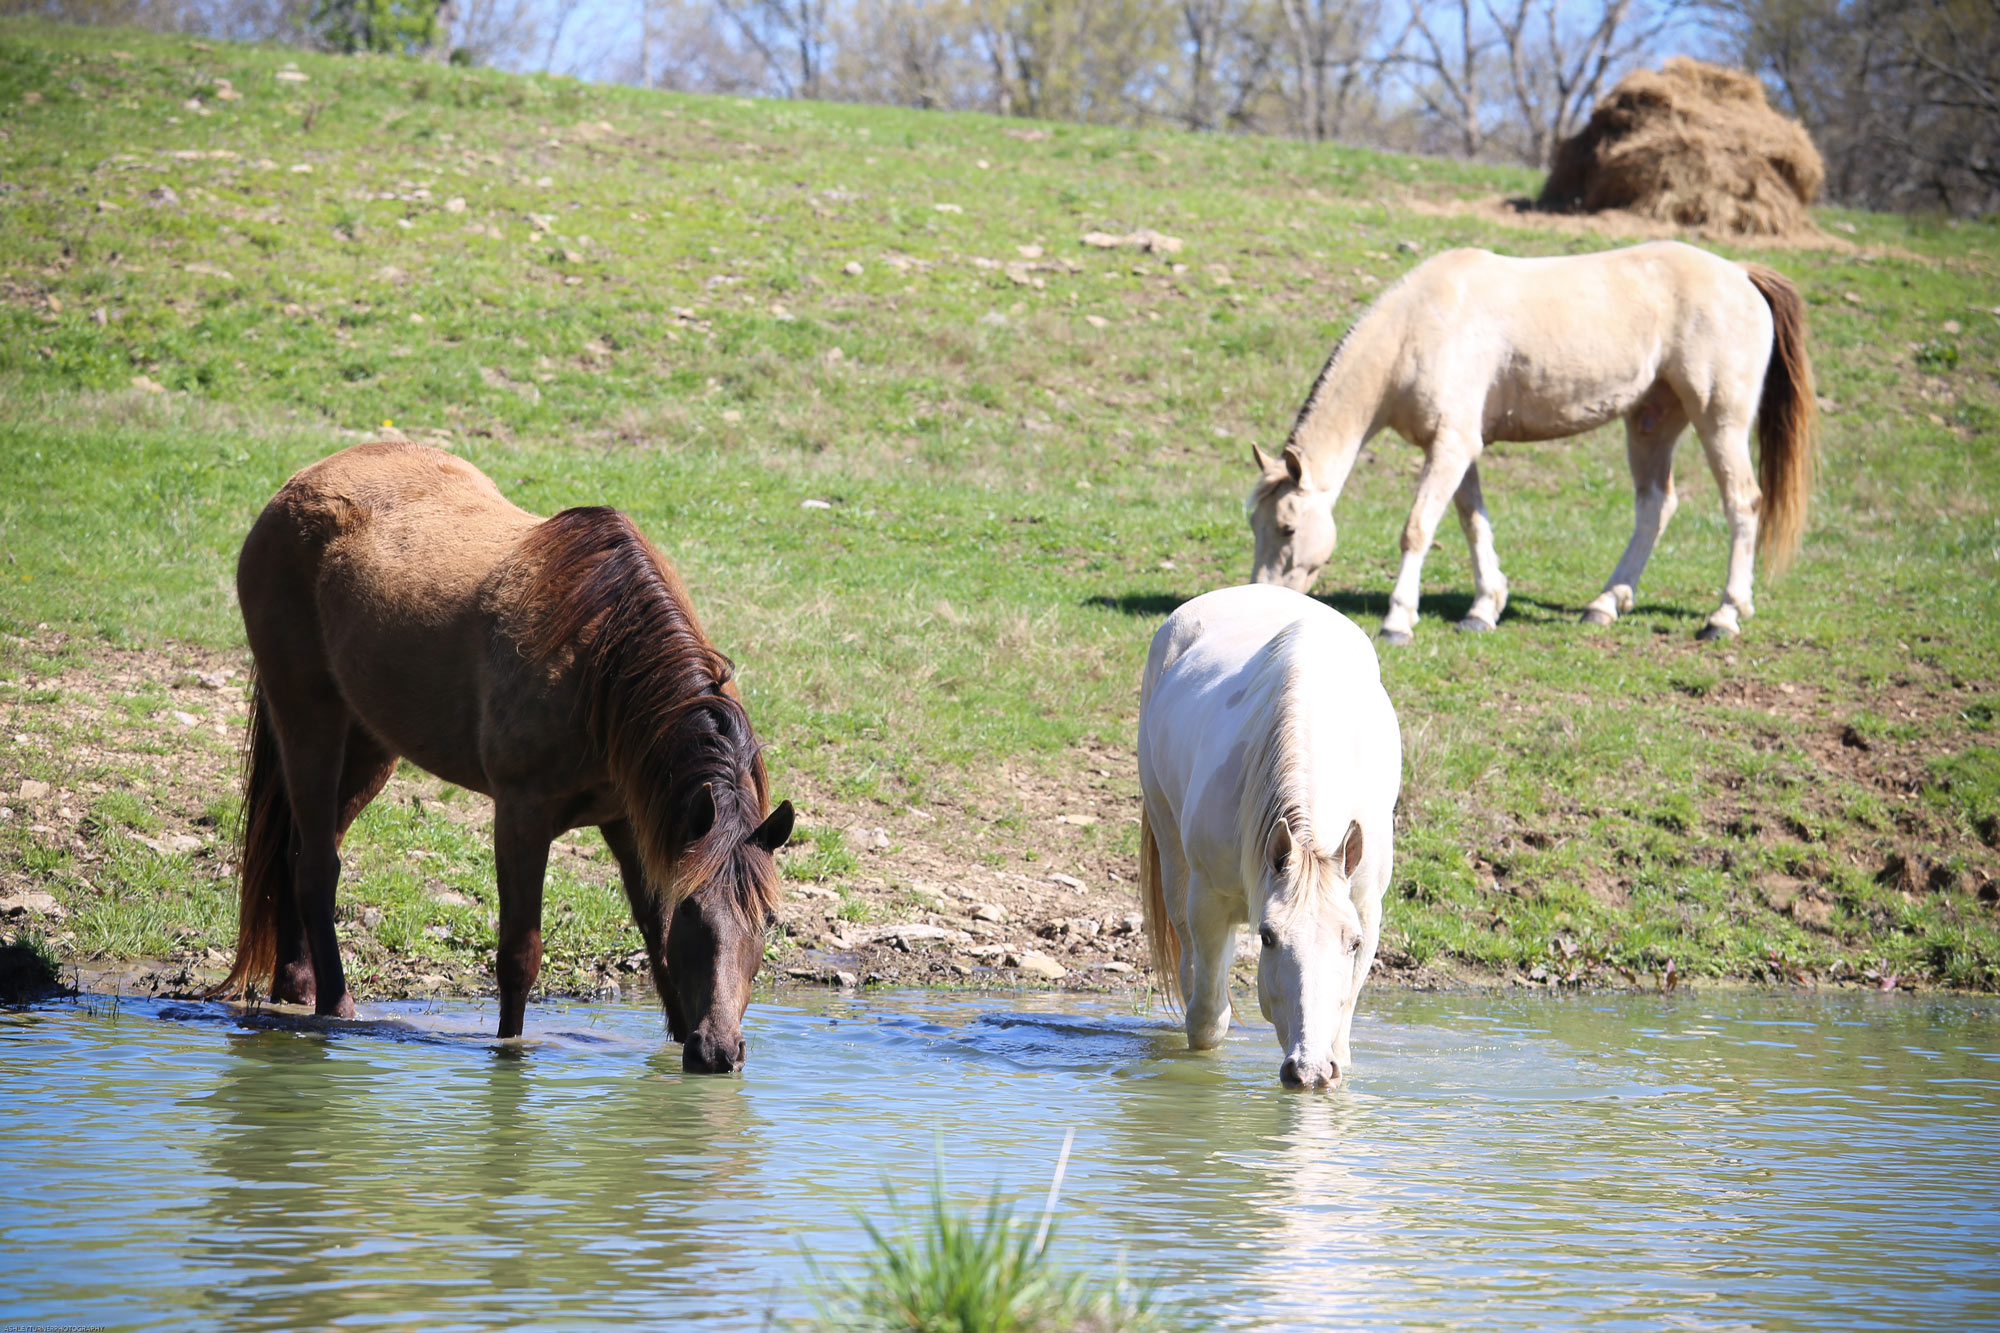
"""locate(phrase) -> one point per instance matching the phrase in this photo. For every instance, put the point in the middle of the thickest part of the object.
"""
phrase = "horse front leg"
(1445, 465)
(1205, 963)
(521, 837)
(1651, 432)
(1489, 584)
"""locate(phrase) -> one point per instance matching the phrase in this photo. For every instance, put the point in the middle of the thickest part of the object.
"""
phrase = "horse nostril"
(1288, 1074)
(703, 1054)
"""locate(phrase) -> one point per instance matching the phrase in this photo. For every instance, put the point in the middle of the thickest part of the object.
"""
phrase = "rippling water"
(1715, 1161)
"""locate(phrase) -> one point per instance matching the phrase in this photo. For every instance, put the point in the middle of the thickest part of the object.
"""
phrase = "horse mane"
(659, 700)
(1276, 778)
(1266, 483)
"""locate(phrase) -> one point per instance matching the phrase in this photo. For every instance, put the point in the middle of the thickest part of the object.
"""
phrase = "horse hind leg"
(1727, 444)
(366, 767)
(1652, 431)
(1489, 584)
(312, 726)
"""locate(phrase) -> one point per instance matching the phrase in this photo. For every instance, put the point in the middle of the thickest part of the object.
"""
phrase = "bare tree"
(1561, 56)
(790, 37)
(1449, 67)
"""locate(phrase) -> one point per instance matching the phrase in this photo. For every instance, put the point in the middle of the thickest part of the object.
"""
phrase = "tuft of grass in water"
(980, 1271)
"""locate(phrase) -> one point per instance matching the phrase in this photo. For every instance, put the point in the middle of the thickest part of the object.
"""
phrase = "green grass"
(643, 300)
(949, 1271)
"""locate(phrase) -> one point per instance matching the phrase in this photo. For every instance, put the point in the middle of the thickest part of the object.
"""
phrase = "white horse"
(1270, 760)
(1473, 346)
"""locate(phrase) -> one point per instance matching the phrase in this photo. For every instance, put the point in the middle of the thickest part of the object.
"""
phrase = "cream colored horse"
(1269, 759)
(1473, 347)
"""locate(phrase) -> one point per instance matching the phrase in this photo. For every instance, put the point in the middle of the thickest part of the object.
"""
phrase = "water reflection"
(1497, 1161)
(495, 1182)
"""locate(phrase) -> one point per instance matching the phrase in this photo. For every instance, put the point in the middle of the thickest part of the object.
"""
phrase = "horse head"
(1291, 519)
(1314, 953)
(714, 941)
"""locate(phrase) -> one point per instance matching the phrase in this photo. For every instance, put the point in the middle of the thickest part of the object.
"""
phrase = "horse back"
(366, 572)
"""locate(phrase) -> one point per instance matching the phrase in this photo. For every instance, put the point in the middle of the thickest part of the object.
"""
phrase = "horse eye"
(1286, 529)
(770, 920)
(1268, 936)
(1354, 945)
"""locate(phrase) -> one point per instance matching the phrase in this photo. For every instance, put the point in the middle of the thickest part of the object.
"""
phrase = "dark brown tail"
(1787, 421)
(264, 855)
(1161, 938)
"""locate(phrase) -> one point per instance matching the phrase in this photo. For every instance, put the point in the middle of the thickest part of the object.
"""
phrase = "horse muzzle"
(704, 1053)
(1309, 1075)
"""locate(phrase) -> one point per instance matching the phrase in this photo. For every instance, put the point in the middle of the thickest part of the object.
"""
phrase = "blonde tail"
(1161, 938)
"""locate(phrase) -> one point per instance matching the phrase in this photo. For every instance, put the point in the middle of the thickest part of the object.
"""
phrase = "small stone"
(185, 719)
(1409, 247)
(1029, 251)
(1097, 321)
(852, 268)
(293, 76)
(147, 384)
(1852, 298)
(1122, 969)
(989, 912)
(371, 917)
(609, 991)
(302, 169)
(948, 208)
(1037, 964)
(812, 504)
(454, 204)
(1130, 924)
(1067, 881)
(846, 980)
(27, 901)
(33, 790)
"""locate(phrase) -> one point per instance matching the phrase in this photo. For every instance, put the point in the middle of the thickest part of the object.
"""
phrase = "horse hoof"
(1712, 633)
(1394, 638)
(1473, 625)
(1596, 617)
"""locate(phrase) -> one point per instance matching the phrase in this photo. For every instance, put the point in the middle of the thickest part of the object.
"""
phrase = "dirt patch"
(1695, 145)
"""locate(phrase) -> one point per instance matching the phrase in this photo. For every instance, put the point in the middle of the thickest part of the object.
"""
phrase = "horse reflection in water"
(398, 605)
(1269, 760)
(461, 1179)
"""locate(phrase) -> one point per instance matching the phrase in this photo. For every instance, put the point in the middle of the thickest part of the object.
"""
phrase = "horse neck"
(1280, 783)
(1347, 403)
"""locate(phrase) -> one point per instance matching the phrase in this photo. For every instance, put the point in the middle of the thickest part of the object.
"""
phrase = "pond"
(1724, 1159)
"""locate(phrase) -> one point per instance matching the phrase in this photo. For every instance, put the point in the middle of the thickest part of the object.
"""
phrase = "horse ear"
(1278, 850)
(702, 818)
(1265, 463)
(1295, 464)
(776, 830)
(1349, 855)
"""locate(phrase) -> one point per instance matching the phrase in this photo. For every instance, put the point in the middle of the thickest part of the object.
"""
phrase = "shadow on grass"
(1368, 607)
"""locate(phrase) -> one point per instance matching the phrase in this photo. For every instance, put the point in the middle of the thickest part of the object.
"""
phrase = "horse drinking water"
(1472, 347)
(398, 605)
(1269, 762)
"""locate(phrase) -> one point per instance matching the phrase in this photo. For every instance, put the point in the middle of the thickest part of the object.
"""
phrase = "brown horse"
(398, 605)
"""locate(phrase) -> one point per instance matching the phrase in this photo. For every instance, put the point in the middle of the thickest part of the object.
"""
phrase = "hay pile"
(1695, 145)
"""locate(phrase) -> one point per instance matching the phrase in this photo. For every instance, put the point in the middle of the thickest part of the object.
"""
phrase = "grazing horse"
(1269, 760)
(1473, 346)
(398, 605)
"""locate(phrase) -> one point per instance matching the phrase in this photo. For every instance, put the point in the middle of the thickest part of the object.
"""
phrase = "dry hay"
(1695, 145)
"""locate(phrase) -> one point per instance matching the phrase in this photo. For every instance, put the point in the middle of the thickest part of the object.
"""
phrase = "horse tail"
(1161, 939)
(264, 854)
(1787, 421)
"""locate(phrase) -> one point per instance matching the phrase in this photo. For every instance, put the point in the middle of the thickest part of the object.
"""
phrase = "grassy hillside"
(218, 263)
